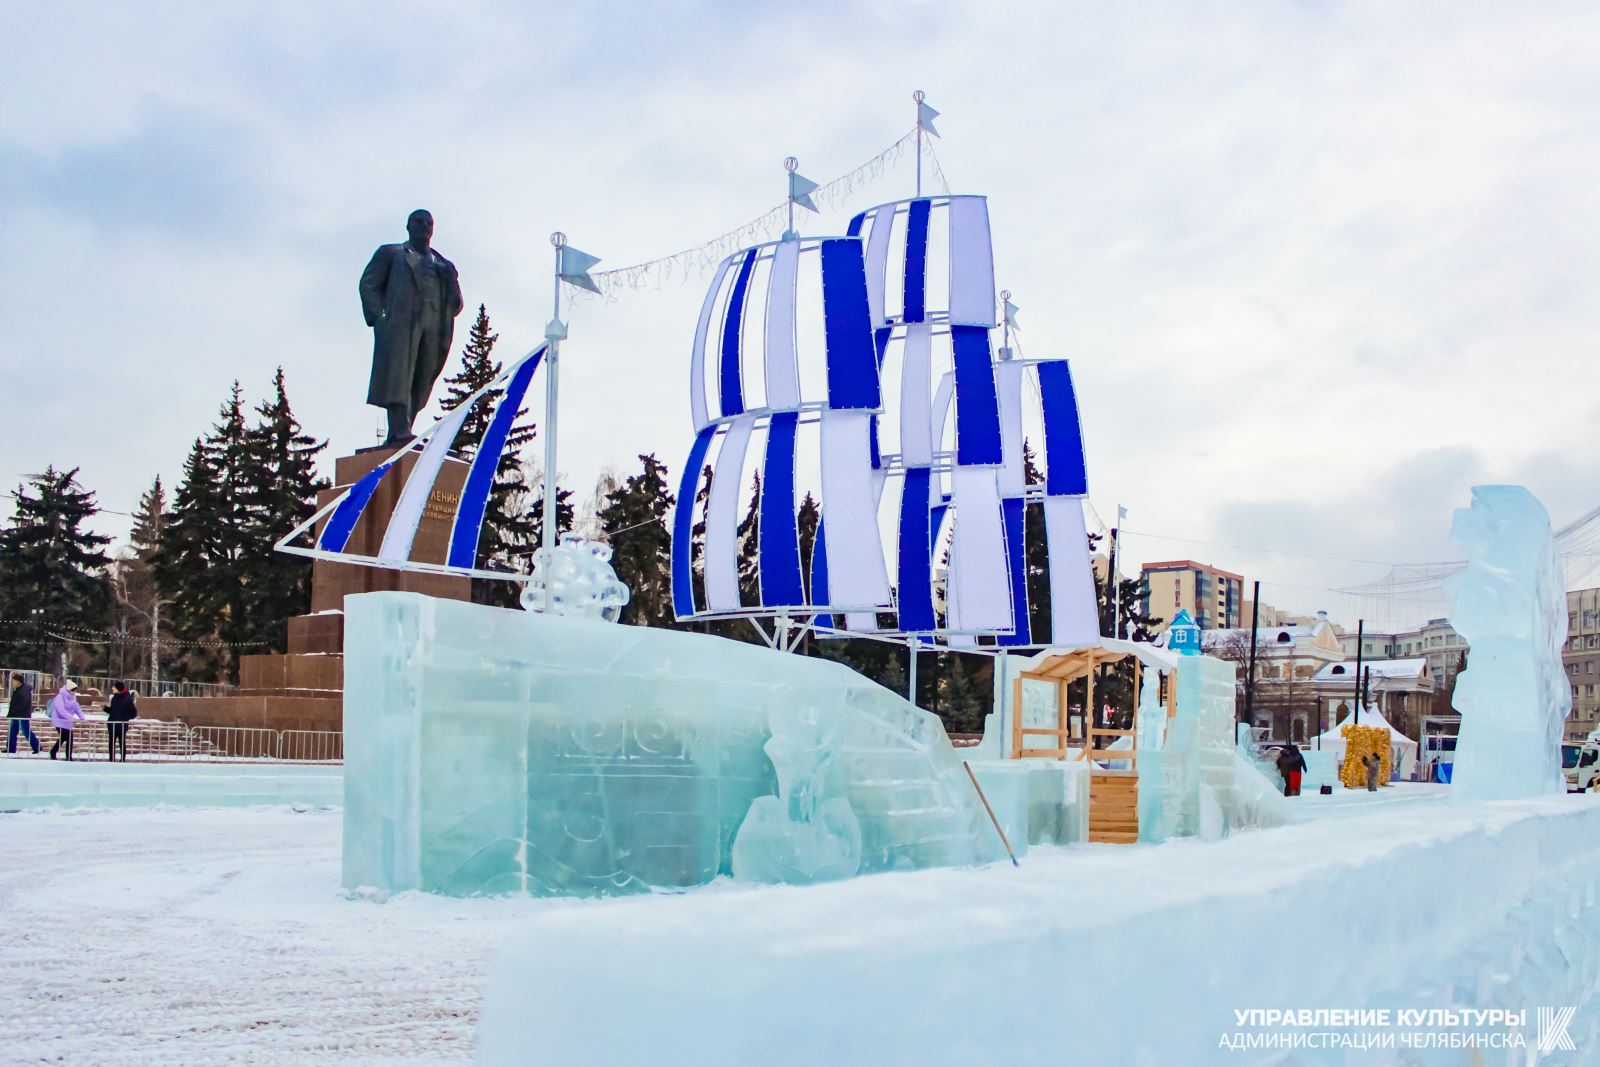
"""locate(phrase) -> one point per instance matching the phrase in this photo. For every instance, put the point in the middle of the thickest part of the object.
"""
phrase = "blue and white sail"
(1074, 617)
(930, 283)
(783, 375)
(953, 433)
(331, 529)
(870, 357)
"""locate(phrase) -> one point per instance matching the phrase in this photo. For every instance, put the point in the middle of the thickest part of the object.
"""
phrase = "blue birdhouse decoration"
(1183, 636)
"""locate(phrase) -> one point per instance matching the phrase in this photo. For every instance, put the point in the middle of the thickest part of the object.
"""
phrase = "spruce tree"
(52, 570)
(1035, 554)
(1115, 684)
(697, 543)
(202, 556)
(806, 522)
(135, 584)
(511, 521)
(965, 691)
(637, 521)
(565, 515)
(278, 492)
(187, 547)
(478, 369)
(229, 446)
(148, 519)
(747, 535)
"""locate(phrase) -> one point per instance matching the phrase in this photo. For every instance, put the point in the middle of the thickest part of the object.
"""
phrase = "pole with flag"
(800, 190)
(925, 116)
(572, 267)
(1008, 321)
(1116, 585)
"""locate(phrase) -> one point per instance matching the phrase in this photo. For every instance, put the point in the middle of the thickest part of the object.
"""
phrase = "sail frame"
(365, 487)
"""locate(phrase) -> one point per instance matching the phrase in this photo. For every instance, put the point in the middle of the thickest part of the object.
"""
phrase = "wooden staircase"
(1114, 808)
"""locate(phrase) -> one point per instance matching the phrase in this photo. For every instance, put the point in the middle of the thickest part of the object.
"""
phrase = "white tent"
(1402, 747)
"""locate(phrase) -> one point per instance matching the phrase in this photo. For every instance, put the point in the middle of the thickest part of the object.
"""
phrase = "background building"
(1265, 614)
(1581, 656)
(1288, 659)
(1213, 597)
(1436, 641)
(1401, 690)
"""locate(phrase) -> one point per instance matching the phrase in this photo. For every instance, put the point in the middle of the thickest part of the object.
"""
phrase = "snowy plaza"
(221, 936)
(900, 535)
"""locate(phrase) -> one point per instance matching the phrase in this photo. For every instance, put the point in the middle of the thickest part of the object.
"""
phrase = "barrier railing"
(44, 685)
(157, 740)
(233, 742)
(311, 746)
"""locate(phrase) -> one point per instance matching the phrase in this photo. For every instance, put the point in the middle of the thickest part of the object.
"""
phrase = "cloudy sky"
(1320, 267)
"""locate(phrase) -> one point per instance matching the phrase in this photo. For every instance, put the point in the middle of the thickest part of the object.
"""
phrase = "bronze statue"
(410, 295)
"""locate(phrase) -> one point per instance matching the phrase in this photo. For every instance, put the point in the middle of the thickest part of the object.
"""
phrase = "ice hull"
(491, 751)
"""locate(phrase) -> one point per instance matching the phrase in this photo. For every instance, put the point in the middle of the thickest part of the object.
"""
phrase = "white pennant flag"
(1011, 314)
(925, 117)
(575, 268)
(800, 190)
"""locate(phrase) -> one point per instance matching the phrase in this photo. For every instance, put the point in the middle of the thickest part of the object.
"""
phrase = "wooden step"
(1114, 809)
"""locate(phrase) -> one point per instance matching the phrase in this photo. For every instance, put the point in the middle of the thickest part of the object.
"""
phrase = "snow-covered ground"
(184, 936)
(214, 936)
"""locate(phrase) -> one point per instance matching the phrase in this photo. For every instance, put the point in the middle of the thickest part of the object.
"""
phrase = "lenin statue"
(410, 295)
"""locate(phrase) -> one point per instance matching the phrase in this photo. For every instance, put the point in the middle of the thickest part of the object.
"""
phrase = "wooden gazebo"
(1113, 792)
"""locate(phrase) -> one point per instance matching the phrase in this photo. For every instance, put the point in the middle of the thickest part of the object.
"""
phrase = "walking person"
(1374, 764)
(1291, 764)
(119, 713)
(20, 712)
(64, 715)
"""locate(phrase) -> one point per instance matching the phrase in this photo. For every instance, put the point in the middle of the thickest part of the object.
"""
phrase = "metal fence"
(157, 740)
(44, 685)
(311, 746)
(148, 741)
(234, 742)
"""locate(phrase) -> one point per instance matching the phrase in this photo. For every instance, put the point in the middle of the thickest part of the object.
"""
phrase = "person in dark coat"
(119, 713)
(20, 711)
(410, 296)
(1374, 764)
(1291, 764)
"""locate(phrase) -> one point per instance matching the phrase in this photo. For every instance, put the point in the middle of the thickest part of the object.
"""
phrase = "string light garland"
(85, 635)
(694, 262)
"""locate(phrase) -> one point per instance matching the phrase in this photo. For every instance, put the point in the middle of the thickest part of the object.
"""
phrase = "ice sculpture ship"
(910, 391)
(888, 375)
(490, 750)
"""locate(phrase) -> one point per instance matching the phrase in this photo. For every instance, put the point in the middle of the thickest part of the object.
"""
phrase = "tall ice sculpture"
(1510, 605)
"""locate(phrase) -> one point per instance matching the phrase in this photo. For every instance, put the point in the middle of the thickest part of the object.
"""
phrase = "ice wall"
(1193, 771)
(1475, 906)
(1510, 605)
(491, 750)
(42, 783)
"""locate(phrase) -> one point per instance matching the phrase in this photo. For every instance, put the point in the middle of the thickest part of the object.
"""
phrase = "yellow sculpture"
(1359, 743)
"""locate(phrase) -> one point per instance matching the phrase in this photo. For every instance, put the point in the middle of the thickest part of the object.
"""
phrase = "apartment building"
(1436, 641)
(1212, 596)
(1581, 658)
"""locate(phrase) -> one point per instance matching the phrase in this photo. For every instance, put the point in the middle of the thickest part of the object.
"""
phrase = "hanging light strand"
(697, 261)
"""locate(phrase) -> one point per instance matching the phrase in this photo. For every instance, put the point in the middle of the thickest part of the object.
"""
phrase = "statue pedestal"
(314, 663)
(332, 582)
(304, 689)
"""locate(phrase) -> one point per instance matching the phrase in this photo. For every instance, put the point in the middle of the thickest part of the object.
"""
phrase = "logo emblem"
(1553, 1023)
